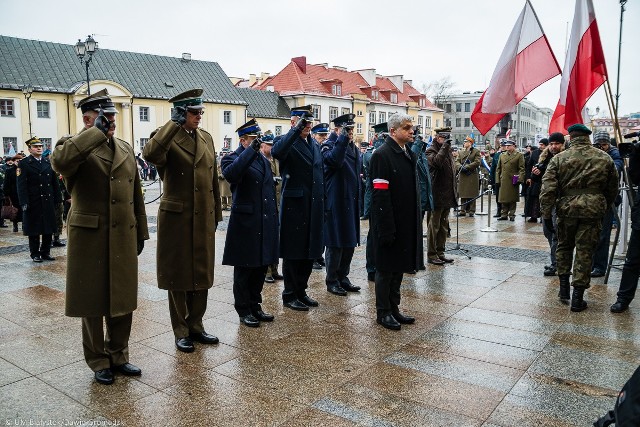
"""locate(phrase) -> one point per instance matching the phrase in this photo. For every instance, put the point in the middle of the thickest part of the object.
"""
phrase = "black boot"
(565, 289)
(577, 303)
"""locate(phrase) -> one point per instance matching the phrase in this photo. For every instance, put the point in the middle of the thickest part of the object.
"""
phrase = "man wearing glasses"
(188, 216)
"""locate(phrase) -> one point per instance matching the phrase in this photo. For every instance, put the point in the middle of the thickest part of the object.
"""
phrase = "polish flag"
(584, 69)
(526, 62)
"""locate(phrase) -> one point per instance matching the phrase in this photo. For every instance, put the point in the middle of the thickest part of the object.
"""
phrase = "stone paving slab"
(491, 347)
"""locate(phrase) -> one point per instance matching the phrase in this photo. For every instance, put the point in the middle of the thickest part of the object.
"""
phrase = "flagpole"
(612, 107)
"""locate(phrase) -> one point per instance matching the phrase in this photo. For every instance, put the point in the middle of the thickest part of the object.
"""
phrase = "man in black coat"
(302, 208)
(342, 219)
(254, 218)
(395, 219)
(38, 193)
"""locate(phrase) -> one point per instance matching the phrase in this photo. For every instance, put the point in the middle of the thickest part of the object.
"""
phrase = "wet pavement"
(492, 346)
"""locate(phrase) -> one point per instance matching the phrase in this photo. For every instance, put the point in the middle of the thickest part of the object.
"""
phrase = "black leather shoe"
(204, 338)
(269, 279)
(462, 214)
(371, 277)
(435, 261)
(471, 215)
(57, 244)
(277, 276)
(296, 305)
(47, 257)
(262, 316)
(3, 225)
(389, 322)
(496, 216)
(350, 287)
(104, 376)
(128, 369)
(619, 307)
(308, 301)
(551, 271)
(445, 259)
(249, 321)
(185, 344)
(577, 300)
(36, 258)
(337, 290)
(405, 320)
(502, 218)
(597, 273)
(316, 265)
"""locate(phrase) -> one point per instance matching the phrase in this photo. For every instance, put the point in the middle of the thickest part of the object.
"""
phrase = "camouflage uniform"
(581, 183)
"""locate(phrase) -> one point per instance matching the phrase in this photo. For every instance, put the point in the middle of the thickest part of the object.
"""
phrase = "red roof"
(318, 80)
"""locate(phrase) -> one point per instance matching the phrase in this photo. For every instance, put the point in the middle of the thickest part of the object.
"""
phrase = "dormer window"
(394, 98)
(375, 95)
(336, 89)
(422, 103)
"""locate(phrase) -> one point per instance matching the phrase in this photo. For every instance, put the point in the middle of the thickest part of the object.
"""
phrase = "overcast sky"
(425, 40)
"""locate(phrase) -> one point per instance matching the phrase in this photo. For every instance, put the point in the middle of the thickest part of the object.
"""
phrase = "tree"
(439, 91)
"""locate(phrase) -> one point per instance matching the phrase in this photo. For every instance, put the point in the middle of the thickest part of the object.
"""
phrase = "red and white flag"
(584, 68)
(526, 62)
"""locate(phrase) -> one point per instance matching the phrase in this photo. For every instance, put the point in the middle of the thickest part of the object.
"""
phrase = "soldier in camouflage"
(581, 182)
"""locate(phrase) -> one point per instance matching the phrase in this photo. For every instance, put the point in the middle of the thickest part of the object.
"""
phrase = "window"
(43, 109)
(467, 107)
(420, 122)
(467, 122)
(359, 113)
(8, 143)
(46, 144)
(6, 108)
(144, 114)
(447, 108)
(394, 98)
(278, 130)
(358, 127)
(372, 118)
(143, 142)
(345, 111)
(447, 122)
(316, 111)
(382, 117)
(427, 122)
(437, 123)
(227, 117)
(333, 113)
(422, 102)
(375, 95)
(458, 107)
(336, 89)
(458, 122)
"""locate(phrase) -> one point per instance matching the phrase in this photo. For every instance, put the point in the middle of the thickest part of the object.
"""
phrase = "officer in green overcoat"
(510, 174)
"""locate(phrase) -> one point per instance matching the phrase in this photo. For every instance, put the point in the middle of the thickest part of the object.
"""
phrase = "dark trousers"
(601, 256)
(296, 274)
(247, 289)
(36, 248)
(387, 292)
(186, 309)
(100, 350)
(631, 269)
(496, 191)
(371, 268)
(338, 262)
(552, 237)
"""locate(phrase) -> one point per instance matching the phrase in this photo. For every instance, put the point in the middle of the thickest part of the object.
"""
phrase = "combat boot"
(577, 303)
(565, 289)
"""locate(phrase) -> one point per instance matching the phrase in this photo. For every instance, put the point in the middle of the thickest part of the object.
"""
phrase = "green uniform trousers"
(508, 210)
(581, 234)
(103, 351)
(186, 309)
(438, 220)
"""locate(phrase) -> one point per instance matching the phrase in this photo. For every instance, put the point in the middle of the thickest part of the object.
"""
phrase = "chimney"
(397, 82)
(301, 61)
(252, 79)
(409, 82)
(186, 57)
(264, 75)
(369, 76)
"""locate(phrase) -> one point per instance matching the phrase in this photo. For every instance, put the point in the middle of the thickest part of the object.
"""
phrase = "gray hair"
(397, 119)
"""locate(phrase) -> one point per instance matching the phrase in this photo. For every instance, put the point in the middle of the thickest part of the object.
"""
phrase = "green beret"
(579, 127)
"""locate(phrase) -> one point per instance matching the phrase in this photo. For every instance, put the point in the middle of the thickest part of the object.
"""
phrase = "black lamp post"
(27, 90)
(86, 48)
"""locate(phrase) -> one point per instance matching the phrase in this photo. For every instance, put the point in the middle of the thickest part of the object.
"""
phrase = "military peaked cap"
(381, 127)
(190, 99)
(345, 120)
(320, 128)
(250, 128)
(96, 101)
(33, 141)
(304, 111)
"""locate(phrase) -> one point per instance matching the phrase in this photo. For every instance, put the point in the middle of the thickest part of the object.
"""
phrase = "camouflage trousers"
(581, 234)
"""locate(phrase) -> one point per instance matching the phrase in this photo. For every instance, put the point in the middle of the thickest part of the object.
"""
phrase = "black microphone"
(632, 135)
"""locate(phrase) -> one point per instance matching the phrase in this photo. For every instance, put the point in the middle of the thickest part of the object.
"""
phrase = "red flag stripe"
(380, 184)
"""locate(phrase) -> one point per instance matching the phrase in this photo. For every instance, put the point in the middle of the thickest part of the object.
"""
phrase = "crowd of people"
(301, 197)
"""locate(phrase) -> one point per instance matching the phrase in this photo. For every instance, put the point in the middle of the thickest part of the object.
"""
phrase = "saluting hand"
(102, 122)
(179, 115)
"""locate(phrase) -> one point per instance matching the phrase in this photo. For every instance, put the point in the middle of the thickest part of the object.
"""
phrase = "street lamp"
(27, 90)
(88, 47)
(591, 116)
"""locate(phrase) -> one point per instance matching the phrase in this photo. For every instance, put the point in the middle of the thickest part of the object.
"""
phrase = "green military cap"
(579, 127)
(97, 101)
(443, 131)
(190, 99)
(33, 141)
(381, 127)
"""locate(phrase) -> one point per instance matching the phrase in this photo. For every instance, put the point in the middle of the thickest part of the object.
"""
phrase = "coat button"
(112, 178)
(195, 189)
(196, 212)
(113, 202)
(114, 224)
